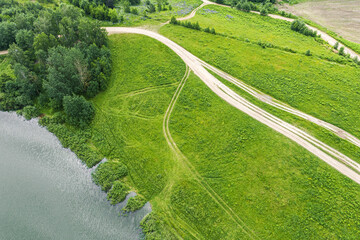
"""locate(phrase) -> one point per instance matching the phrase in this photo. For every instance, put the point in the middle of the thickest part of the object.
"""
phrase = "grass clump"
(118, 192)
(107, 173)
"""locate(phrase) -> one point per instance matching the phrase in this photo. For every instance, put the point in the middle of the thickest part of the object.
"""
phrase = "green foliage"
(263, 12)
(7, 36)
(79, 112)
(301, 27)
(308, 53)
(134, 203)
(30, 112)
(24, 39)
(336, 46)
(154, 228)
(106, 174)
(44, 42)
(341, 51)
(118, 192)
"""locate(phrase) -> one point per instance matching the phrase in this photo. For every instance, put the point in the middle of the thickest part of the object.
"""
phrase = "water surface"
(47, 193)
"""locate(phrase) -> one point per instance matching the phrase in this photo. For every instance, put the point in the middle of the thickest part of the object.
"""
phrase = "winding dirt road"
(3, 52)
(329, 155)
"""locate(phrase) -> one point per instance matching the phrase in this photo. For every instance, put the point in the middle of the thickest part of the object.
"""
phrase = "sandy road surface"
(350, 169)
(3, 52)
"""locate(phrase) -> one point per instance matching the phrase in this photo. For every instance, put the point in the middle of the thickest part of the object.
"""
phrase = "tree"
(90, 32)
(342, 51)
(79, 112)
(151, 8)
(7, 36)
(263, 12)
(44, 42)
(67, 74)
(173, 20)
(336, 46)
(24, 39)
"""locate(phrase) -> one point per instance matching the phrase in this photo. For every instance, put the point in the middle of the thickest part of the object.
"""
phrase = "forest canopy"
(55, 54)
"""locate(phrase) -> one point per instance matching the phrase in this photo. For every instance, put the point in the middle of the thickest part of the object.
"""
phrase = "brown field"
(340, 16)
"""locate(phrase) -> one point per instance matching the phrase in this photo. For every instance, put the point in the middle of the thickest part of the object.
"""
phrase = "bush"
(109, 172)
(173, 20)
(263, 12)
(30, 112)
(308, 53)
(134, 11)
(79, 112)
(342, 51)
(336, 46)
(134, 203)
(301, 27)
(118, 192)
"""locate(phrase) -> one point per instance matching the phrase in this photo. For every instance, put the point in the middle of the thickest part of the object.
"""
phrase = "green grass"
(253, 27)
(279, 189)
(324, 89)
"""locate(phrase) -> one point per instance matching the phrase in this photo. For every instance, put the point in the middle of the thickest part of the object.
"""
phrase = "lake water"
(47, 193)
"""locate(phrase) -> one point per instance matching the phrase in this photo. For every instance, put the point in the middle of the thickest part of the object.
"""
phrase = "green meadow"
(324, 89)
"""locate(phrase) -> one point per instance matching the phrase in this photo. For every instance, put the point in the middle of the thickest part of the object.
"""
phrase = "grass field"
(267, 181)
(326, 90)
(252, 27)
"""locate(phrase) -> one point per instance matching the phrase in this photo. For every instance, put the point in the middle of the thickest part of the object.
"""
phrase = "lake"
(47, 193)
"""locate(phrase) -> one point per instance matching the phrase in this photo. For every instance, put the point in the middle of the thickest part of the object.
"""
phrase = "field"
(219, 182)
(340, 16)
(321, 88)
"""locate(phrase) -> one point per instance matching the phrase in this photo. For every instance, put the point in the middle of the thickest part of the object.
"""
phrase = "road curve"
(325, 153)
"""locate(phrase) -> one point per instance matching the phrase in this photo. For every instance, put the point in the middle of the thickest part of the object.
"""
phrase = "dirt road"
(349, 168)
(3, 52)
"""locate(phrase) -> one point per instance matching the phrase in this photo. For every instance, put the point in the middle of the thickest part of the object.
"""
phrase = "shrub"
(107, 173)
(127, 9)
(118, 192)
(134, 11)
(342, 51)
(30, 112)
(301, 27)
(134, 203)
(79, 112)
(173, 20)
(263, 12)
(308, 53)
(336, 46)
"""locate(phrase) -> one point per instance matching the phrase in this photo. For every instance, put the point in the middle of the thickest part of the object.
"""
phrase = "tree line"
(59, 59)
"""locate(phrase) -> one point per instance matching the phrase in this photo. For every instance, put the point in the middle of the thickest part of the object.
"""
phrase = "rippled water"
(47, 193)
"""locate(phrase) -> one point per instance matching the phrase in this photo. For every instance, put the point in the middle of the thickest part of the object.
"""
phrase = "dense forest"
(59, 58)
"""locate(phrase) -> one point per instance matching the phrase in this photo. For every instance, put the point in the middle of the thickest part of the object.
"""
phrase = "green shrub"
(134, 203)
(118, 192)
(173, 20)
(109, 172)
(341, 51)
(30, 112)
(308, 53)
(263, 12)
(336, 46)
(301, 27)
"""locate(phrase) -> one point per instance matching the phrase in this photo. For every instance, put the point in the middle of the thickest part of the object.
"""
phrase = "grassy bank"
(321, 88)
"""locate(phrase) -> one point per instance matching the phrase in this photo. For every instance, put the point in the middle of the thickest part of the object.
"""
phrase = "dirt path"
(3, 52)
(316, 147)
